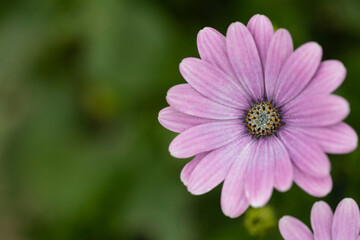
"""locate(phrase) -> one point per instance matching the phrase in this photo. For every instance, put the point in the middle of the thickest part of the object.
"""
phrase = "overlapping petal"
(205, 137)
(213, 83)
(190, 166)
(328, 78)
(245, 60)
(316, 110)
(212, 49)
(304, 152)
(281, 47)
(177, 121)
(213, 168)
(293, 229)
(262, 31)
(260, 173)
(336, 139)
(315, 186)
(321, 221)
(346, 223)
(297, 72)
(283, 166)
(185, 99)
(233, 199)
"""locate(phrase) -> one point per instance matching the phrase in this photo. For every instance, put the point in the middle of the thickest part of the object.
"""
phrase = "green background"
(83, 156)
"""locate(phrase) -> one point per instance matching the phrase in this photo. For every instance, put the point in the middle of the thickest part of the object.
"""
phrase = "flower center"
(263, 119)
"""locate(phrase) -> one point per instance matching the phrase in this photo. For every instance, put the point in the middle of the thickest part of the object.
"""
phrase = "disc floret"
(263, 119)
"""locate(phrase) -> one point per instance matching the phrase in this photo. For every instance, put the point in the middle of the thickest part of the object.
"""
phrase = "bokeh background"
(83, 156)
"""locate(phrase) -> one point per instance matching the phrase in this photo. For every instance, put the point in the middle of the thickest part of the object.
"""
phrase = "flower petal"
(346, 223)
(245, 60)
(321, 220)
(304, 152)
(212, 49)
(297, 72)
(190, 166)
(316, 110)
(281, 47)
(259, 180)
(177, 121)
(335, 139)
(233, 199)
(262, 30)
(213, 83)
(205, 137)
(185, 99)
(315, 186)
(328, 78)
(213, 168)
(283, 166)
(293, 229)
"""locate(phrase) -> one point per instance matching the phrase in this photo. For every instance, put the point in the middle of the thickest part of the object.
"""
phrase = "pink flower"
(343, 225)
(257, 115)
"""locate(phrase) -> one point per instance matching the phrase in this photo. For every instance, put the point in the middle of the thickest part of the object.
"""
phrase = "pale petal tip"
(231, 213)
(187, 60)
(206, 30)
(196, 191)
(284, 223)
(260, 200)
(229, 209)
(162, 117)
(164, 111)
(320, 207)
(320, 203)
(174, 151)
(236, 24)
(283, 31)
(258, 16)
(315, 46)
(192, 190)
(285, 188)
(258, 203)
(348, 202)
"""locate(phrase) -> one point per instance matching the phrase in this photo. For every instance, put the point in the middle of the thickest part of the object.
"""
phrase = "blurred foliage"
(259, 221)
(81, 84)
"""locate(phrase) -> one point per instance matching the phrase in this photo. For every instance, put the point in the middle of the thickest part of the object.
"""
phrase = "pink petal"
(190, 166)
(297, 72)
(205, 137)
(259, 180)
(304, 152)
(315, 186)
(316, 110)
(212, 48)
(245, 59)
(346, 223)
(293, 229)
(281, 47)
(213, 83)
(185, 99)
(328, 78)
(177, 121)
(233, 199)
(321, 220)
(283, 165)
(213, 168)
(335, 139)
(262, 30)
